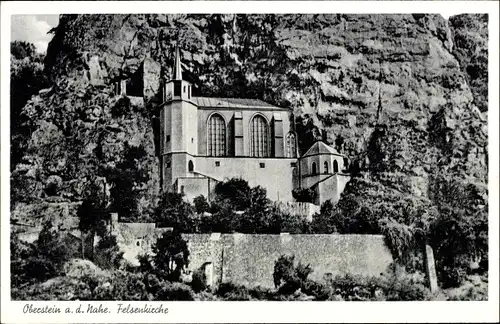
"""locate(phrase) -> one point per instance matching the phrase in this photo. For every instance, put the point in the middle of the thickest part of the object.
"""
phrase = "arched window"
(313, 168)
(291, 145)
(260, 137)
(335, 166)
(190, 166)
(216, 136)
(346, 163)
(326, 166)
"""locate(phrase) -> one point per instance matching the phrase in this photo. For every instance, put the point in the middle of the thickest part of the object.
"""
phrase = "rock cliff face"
(390, 91)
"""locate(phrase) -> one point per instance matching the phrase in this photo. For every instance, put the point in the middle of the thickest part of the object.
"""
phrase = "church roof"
(234, 103)
(320, 148)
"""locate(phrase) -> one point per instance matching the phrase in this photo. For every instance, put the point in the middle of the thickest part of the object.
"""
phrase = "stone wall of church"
(275, 175)
(193, 187)
(248, 259)
(332, 188)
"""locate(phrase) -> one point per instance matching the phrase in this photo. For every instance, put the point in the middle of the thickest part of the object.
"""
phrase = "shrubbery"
(107, 253)
(288, 277)
(453, 222)
(199, 281)
(170, 255)
(230, 291)
(236, 207)
(40, 261)
(304, 195)
(397, 284)
(118, 285)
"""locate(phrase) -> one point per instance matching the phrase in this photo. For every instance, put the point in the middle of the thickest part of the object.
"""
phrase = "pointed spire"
(177, 65)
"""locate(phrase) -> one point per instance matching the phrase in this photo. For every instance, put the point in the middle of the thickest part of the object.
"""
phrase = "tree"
(171, 255)
(459, 233)
(20, 253)
(292, 223)
(235, 193)
(223, 220)
(49, 254)
(27, 78)
(21, 49)
(125, 179)
(108, 254)
(92, 214)
(174, 211)
(257, 217)
(201, 204)
(325, 222)
(304, 195)
(145, 263)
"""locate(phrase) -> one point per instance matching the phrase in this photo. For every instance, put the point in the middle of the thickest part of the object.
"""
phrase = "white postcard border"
(254, 312)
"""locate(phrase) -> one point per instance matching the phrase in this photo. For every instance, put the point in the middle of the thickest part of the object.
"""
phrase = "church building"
(206, 140)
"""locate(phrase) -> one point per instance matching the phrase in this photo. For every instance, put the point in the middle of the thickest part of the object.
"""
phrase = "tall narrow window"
(291, 145)
(177, 88)
(326, 166)
(260, 137)
(216, 136)
(190, 166)
(335, 166)
(313, 168)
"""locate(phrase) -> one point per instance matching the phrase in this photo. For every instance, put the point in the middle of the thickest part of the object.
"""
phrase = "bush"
(122, 107)
(304, 195)
(174, 211)
(260, 293)
(108, 254)
(318, 290)
(452, 277)
(397, 284)
(288, 278)
(230, 291)
(124, 286)
(174, 291)
(79, 268)
(475, 288)
(145, 263)
(199, 282)
(400, 285)
(201, 204)
(235, 193)
(326, 221)
(45, 259)
(171, 255)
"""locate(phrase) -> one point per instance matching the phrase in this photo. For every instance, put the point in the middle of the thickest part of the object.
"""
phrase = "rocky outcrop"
(470, 39)
(390, 91)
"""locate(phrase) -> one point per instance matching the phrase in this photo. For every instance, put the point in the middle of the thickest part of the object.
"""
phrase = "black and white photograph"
(321, 157)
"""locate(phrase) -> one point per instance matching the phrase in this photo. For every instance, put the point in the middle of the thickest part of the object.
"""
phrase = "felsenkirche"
(207, 140)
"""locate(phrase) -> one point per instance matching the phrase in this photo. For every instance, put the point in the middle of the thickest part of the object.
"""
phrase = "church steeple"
(176, 88)
(177, 65)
